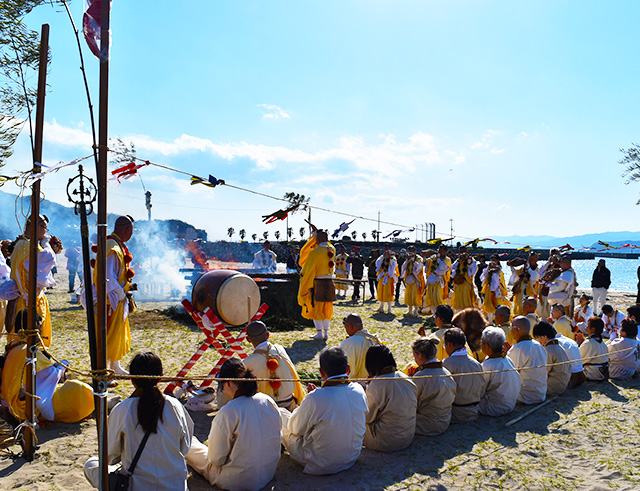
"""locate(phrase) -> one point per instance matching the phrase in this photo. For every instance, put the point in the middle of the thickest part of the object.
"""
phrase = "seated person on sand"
(527, 353)
(472, 322)
(573, 352)
(561, 322)
(359, 340)
(503, 386)
(469, 388)
(442, 318)
(59, 400)
(594, 352)
(612, 319)
(624, 352)
(270, 360)
(529, 308)
(391, 421)
(326, 432)
(243, 448)
(147, 411)
(559, 369)
(435, 395)
(502, 319)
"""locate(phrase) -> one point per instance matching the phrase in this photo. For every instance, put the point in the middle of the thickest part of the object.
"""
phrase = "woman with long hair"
(243, 449)
(147, 411)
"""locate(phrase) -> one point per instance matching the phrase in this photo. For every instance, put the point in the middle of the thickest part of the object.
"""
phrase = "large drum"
(234, 297)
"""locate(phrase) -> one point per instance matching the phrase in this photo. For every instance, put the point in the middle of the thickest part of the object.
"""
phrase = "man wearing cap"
(265, 260)
(412, 273)
(359, 340)
(272, 361)
(47, 248)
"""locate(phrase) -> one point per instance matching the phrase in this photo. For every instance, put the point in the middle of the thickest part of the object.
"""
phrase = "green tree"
(631, 162)
(277, 234)
(354, 235)
(242, 233)
(230, 232)
(364, 235)
(254, 237)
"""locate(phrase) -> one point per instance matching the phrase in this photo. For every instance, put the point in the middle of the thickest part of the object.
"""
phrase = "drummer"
(272, 361)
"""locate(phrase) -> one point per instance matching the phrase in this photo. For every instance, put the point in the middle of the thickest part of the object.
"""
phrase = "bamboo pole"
(30, 382)
(101, 290)
(530, 411)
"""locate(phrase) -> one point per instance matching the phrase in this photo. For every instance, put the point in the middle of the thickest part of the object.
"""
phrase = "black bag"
(119, 479)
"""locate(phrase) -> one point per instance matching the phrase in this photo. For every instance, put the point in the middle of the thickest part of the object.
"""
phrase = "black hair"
(630, 328)
(427, 347)
(634, 311)
(596, 323)
(378, 359)
(544, 329)
(607, 309)
(444, 312)
(333, 361)
(151, 402)
(455, 336)
(234, 368)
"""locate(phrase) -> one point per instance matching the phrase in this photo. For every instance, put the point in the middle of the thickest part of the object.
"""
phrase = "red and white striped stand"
(211, 325)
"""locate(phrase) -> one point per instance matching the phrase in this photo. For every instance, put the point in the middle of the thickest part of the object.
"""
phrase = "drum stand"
(211, 325)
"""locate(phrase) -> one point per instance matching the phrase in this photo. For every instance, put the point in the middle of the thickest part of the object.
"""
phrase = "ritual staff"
(342, 271)
(387, 275)
(316, 292)
(583, 313)
(612, 319)
(624, 352)
(120, 304)
(595, 355)
(265, 260)
(523, 281)
(326, 432)
(57, 399)
(436, 272)
(494, 288)
(391, 420)
(469, 388)
(356, 345)
(413, 276)
(530, 358)
(435, 395)
(561, 322)
(503, 381)
(464, 270)
(558, 367)
(243, 448)
(272, 361)
(47, 248)
(563, 287)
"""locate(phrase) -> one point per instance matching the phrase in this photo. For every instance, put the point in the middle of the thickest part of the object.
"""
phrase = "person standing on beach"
(600, 283)
(356, 263)
(372, 275)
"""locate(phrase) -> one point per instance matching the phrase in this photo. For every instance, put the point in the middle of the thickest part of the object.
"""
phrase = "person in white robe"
(612, 319)
(583, 313)
(8, 288)
(265, 260)
(594, 352)
(503, 381)
(162, 463)
(529, 357)
(559, 367)
(469, 388)
(326, 432)
(624, 352)
(359, 340)
(391, 420)
(561, 289)
(573, 352)
(561, 322)
(243, 449)
(434, 395)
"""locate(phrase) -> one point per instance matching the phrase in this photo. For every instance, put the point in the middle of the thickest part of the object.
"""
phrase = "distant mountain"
(577, 241)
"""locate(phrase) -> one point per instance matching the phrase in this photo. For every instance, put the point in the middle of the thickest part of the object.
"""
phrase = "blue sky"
(505, 116)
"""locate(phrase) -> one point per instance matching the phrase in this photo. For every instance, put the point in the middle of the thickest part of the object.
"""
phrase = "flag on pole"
(91, 28)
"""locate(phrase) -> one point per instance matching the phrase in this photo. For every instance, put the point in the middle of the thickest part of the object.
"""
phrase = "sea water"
(624, 276)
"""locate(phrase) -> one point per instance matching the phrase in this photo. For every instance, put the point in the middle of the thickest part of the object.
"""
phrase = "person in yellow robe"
(524, 282)
(316, 292)
(119, 275)
(387, 275)
(464, 271)
(342, 271)
(67, 401)
(436, 273)
(48, 247)
(494, 288)
(413, 276)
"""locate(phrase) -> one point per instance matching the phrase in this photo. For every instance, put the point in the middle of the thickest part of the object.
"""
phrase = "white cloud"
(486, 142)
(273, 112)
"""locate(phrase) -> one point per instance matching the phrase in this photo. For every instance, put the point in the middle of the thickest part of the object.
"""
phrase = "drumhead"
(238, 299)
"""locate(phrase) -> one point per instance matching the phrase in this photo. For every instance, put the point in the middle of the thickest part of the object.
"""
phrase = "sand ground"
(585, 439)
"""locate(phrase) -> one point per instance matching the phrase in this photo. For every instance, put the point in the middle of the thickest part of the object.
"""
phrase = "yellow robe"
(341, 272)
(491, 302)
(118, 330)
(414, 283)
(433, 292)
(530, 290)
(72, 401)
(447, 277)
(317, 260)
(20, 275)
(464, 295)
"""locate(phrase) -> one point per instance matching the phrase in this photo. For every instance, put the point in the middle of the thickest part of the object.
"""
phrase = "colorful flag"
(91, 28)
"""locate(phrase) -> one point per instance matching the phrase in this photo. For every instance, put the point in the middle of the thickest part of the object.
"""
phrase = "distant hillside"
(577, 241)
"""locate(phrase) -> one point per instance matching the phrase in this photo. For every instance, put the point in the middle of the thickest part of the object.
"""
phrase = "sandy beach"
(584, 439)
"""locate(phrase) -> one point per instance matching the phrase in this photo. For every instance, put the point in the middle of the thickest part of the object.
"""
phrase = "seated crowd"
(455, 379)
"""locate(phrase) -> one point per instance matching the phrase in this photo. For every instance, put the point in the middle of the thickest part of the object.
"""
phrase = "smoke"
(158, 255)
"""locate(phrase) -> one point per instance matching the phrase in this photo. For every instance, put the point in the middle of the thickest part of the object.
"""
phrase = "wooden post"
(101, 260)
(30, 382)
